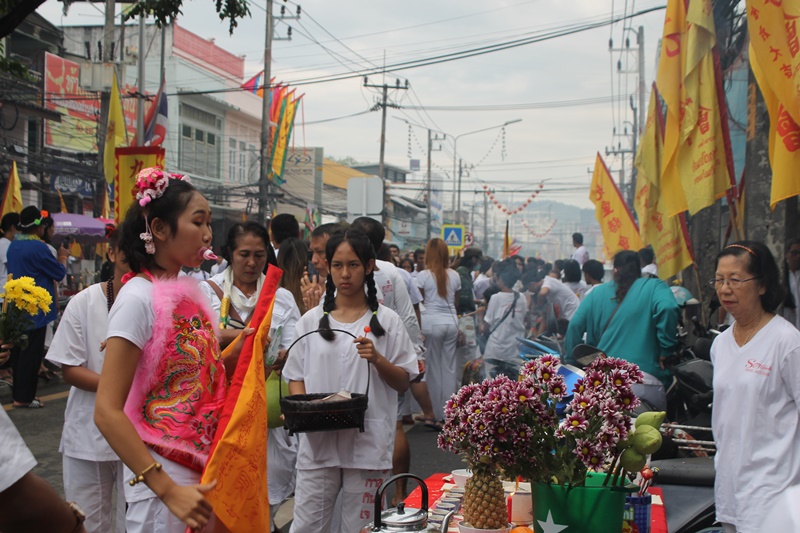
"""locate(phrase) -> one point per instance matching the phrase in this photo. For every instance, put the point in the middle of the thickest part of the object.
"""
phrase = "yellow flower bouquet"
(22, 301)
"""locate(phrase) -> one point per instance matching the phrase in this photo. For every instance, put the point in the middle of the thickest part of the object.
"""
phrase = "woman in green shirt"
(632, 318)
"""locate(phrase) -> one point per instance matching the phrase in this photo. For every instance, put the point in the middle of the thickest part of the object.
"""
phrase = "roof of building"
(336, 175)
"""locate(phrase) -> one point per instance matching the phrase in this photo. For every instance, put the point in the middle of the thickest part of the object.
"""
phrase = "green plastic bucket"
(589, 509)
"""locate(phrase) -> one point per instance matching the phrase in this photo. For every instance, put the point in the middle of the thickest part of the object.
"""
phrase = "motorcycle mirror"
(585, 354)
(702, 348)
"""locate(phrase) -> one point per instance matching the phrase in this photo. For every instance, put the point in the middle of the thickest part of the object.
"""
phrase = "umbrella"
(80, 228)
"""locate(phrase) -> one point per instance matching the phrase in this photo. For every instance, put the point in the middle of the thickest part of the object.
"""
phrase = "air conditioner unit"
(97, 76)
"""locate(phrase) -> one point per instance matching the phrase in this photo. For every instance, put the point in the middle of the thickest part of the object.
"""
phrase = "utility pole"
(264, 184)
(105, 99)
(428, 187)
(383, 104)
(486, 222)
(266, 195)
(628, 191)
(640, 42)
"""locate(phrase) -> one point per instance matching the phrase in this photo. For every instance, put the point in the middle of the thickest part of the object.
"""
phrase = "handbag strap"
(508, 312)
(608, 323)
(612, 316)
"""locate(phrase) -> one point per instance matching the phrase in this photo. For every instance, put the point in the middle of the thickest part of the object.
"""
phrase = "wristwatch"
(80, 516)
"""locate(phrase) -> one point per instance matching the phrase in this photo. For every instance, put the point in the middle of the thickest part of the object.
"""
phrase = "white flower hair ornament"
(150, 184)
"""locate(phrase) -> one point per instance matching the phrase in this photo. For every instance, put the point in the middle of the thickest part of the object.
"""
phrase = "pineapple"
(485, 501)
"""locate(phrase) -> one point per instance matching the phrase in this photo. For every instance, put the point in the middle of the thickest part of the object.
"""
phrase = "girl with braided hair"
(346, 460)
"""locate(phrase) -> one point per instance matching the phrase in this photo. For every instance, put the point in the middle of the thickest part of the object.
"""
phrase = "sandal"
(433, 424)
(35, 404)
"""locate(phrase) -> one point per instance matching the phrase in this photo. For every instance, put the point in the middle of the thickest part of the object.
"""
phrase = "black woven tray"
(301, 414)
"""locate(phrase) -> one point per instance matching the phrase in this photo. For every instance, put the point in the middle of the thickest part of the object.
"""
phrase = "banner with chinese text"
(775, 60)
(80, 109)
(130, 160)
(616, 222)
(665, 234)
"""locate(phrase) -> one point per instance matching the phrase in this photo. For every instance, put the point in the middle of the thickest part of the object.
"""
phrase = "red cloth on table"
(658, 516)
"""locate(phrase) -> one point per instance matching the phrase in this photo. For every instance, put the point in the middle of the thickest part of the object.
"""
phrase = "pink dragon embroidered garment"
(179, 387)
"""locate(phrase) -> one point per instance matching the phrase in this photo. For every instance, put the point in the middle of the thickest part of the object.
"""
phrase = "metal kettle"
(399, 518)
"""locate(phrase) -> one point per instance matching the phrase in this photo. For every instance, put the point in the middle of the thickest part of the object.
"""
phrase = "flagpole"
(141, 83)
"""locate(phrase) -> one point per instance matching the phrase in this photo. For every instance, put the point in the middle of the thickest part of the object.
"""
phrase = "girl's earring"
(147, 237)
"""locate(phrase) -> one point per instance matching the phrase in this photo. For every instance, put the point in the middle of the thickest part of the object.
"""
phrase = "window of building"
(242, 162)
(232, 159)
(199, 149)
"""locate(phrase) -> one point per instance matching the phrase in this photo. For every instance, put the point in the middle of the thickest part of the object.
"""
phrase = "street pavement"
(41, 429)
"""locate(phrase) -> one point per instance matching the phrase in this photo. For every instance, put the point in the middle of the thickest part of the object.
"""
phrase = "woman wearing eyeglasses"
(756, 415)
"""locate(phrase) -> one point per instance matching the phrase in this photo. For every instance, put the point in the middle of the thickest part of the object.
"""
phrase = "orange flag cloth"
(238, 459)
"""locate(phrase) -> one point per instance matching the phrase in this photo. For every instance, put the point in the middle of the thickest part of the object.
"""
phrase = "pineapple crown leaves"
(513, 426)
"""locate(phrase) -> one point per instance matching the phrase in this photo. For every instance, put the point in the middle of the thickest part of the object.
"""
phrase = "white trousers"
(97, 487)
(316, 493)
(152, 516)
(147, 513)
(440, 361)
(281, 461)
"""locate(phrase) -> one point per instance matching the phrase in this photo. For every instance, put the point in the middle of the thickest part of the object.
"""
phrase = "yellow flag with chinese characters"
(775, 60)
(12, 198)
(702, 159)
(616, 222)
(669, 81)
(116, 132)
(130, 161)
(283, 135)
(665, 234)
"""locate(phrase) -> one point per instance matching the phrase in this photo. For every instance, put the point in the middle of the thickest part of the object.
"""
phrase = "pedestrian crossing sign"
(453, 236)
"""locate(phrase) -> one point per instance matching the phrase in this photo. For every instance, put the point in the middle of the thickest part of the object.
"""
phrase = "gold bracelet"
(80, 516)
(140, 478)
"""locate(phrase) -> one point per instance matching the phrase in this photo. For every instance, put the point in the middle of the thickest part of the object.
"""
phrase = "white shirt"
(756, 422)
(4, 244)
(784, 514)
(82, 328)
(502, 343)
(198, 274)
(390, 282)
(562, 296)
(284, 313)
(132, 315)
(333, 366)
(651, 269)
(581, 254)
(216, 268)
(435, 304)
(16, 458)
(578, 287)
(413, 290)
(480, 285)
(792, 315)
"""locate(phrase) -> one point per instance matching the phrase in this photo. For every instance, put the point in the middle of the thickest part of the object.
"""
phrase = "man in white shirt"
(791, 312)
(219, 266)
(648, 260)
(9, 226)
(581, 254)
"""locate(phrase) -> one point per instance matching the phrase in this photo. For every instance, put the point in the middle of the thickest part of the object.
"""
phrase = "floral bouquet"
(511, 427)
(22, 301)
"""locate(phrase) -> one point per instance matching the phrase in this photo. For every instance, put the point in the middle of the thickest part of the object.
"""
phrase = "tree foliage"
(165, 11)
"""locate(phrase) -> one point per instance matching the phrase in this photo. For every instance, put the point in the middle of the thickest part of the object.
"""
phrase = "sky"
(560, 88)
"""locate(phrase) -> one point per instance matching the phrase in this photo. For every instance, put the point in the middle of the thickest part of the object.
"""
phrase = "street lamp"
(457, 182)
